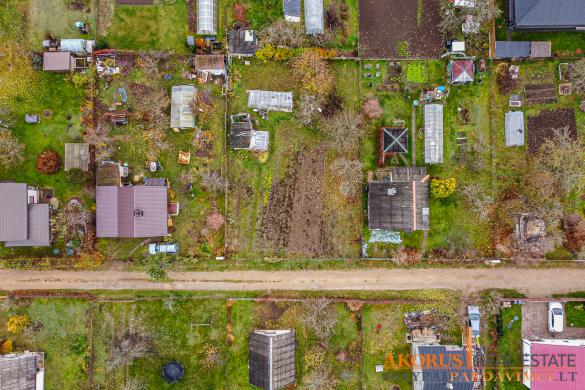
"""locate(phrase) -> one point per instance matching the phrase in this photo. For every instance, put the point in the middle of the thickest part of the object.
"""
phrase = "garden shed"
(512, 49)
(399, 200)
(270, 101)
(514, 124)
(314, 23)
(292, 10)
(207, 17)
(272, 358)
(182, 99)
(58, 61)
(22, 371)
(242, 43)
(391, 140)
(77, 156)
(433, 133)
(461, 71)
(210, 65)
(244, 136)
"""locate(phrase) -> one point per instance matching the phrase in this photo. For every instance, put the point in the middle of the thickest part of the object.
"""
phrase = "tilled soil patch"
(543, 126)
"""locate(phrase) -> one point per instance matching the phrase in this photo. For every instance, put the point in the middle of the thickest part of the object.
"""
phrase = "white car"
(555, 317)
(165, 247)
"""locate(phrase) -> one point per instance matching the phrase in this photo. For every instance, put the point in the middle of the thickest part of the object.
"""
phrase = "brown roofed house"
(131, 211)
(23, 221)
(399, 200)
(58, 61)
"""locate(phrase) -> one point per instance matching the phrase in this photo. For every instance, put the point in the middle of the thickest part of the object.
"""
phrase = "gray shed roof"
(77, 156)
(272, 358)
(514, 123)
(512, 49)
(292, 10)
(271, 101)
(19, 371)
(182, 98)
(13, 212)
(243, 42)
(401, 202)
(436, 377)
(433, 133)
(547, 14)
(133, 211)
(39, 227)
(57, 61)
(314, 22)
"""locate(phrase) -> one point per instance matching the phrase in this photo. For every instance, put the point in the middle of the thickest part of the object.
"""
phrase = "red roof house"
(462, 71)
(554, 364)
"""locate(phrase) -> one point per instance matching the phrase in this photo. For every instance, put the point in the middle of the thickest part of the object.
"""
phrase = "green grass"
(510, 345)
(416, 72)
(55, 17)
(575, 312)
(259, 13)
(149, 27)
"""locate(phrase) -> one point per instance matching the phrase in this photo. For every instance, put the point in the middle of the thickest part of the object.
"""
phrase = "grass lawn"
(259, 13)
(149, 27)
(510, 345)
(61, 332)
(54, 16)
(575, 312)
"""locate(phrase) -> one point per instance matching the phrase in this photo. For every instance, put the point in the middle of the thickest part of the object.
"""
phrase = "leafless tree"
(320, 317)
(134, 384)
(211, 357)
(321, 378)
(283, 33)
(131, 345)
(213, 182)
(309, 106)
(350, 172)
(577, 75)
(11, 150)
(99, 137)
(7, 120)
(481, 202)
(344, 130)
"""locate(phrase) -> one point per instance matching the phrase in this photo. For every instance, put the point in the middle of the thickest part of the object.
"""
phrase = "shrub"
(416, 73)
(76, 176)
(443, 188)
(156, 266)
(6, 347)
(17, 324)
(49, 162)
(270, 52)
(402, 48)
(312, 73)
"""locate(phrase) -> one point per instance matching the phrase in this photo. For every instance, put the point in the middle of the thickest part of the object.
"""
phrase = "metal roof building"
(292, 10)
(242, 43)
(314, 22)
(433, 133)
(207, 17)
(512, 49)
(272, 358)
(514, 124)
(58, 61)
(182, 98)
(22, 371)
(400, 201)
(453, 373)
(546, 15)
(271, 101)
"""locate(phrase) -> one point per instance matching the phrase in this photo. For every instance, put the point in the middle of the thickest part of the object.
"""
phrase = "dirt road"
(532, 282)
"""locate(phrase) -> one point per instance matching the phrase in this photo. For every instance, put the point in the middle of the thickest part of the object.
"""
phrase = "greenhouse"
(270, 101)
(314, 23)
(206, 17)
(433, 133)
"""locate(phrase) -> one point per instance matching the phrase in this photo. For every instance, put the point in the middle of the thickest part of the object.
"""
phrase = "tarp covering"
(314, 23)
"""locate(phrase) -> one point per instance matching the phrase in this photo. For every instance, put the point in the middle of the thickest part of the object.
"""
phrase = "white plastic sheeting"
(207, 17)
(514, 128)
(271, 101)
(314, 23)
(433, 133)
(182, 98)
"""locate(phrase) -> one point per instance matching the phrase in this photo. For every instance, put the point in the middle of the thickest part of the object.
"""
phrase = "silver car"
(555, 317)
(473, 318)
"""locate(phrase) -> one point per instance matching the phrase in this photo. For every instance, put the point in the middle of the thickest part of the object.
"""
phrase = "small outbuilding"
(523, 49)
(461, 71)
(182, 100)
(173, 372)
(292, 10)
(270, 101)
(243, 136)
(514, 124)
(77, 156)
(391, 140)
(399, 200)
(314, 22)
(22, 371)
(272, 358)
(207, 17)
(210, 65)
(242, 43)
(58, 61)
(433, 133)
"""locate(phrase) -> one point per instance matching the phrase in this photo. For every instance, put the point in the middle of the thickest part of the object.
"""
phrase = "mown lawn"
(149, 27)
(575, 312)
(510, 345)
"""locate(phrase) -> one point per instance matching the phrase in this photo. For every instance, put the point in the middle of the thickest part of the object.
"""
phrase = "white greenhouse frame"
(206, 17)
(314, 22)
(433, 133)
(271, 101)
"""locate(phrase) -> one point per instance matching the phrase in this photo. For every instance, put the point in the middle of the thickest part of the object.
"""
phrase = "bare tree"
(350, 172)
(131, 345)
(134, 384)
(11, 150)
(7, 120)
(344, 130)
(320, 317)
(481, 202)
(309, 106)
(283, 33)
(577, 75)
(71, 221)
(312, 72)
(211, 357)
(321, 378)
(213, 182)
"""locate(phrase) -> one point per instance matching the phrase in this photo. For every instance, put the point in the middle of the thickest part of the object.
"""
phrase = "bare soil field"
(292, 221)
(542, 127)
(384, 25)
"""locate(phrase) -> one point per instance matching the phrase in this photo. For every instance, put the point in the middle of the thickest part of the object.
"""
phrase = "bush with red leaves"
(49, 162)
(240, 13)
(215, 221)
(574, 227)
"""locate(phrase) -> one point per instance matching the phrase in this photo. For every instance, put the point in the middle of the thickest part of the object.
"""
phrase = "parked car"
(170, 248)
(555, 317)
(473, 318)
